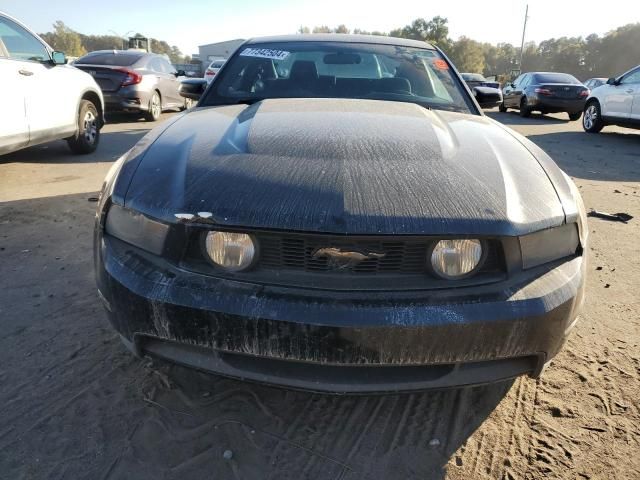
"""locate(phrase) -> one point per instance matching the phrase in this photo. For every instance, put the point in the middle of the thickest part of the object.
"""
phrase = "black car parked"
(337, 214)
(478, 80)
(486, 92)
(545, 92)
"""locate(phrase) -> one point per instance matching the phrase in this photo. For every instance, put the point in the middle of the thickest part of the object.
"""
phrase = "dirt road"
(76, 405)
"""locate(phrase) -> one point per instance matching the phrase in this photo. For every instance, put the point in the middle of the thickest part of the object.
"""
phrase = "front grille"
(278, 251)
(398, 263)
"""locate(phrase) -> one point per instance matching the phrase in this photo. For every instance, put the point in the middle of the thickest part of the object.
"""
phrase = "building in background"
(220, 50)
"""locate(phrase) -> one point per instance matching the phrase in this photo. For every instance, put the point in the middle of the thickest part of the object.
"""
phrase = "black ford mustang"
(338, 215)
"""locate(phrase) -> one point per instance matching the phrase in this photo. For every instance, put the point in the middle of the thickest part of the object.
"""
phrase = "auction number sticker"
(264, 53)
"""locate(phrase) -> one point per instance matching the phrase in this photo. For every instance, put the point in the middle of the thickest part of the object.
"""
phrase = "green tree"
(435, 31)
(321, 29)
(592, 60)
(417, 30)
(438, 32)
(92, 43)
(359, 31)
(65, 40)
(467, 55)
(342, 28)
(619, 50)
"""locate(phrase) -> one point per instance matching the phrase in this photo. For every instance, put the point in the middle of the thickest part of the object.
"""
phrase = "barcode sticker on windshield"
(264, 53)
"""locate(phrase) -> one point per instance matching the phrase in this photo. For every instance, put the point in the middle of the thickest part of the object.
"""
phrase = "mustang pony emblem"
(339, 259)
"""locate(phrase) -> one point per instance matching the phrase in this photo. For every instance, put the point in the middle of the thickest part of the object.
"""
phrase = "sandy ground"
(76, 405)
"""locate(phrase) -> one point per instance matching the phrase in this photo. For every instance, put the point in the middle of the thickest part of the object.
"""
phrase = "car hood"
(344, 166)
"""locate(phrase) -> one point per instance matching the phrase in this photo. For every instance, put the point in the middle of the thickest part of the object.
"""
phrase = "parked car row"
(44, 98)
(600, 101)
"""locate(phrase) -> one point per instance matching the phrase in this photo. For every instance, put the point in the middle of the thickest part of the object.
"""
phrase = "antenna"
(524, 29)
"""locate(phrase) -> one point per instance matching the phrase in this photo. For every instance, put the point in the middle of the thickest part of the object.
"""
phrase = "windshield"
(473, 77)
(339, 70)
(110, 58)
(556, 78)
(217, 64)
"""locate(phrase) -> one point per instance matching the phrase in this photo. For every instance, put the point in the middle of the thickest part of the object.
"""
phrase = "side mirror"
(58, 58)
(487, 97)
(193, 88)
(512, 85)
(612, 81)
(180, 73)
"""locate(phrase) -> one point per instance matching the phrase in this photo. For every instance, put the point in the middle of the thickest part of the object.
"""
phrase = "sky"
(189, 23)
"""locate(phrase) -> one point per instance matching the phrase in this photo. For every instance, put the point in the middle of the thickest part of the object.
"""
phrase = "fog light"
(232, 251)
(457, 258)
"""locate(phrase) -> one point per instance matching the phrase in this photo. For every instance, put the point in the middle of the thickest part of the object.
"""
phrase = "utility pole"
(524, 29)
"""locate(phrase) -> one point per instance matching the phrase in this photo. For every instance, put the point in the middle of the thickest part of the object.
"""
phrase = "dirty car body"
(293, 227)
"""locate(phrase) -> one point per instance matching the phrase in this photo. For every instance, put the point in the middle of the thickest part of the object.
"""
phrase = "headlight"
(232, 251)
(456, 258)
(136, 229)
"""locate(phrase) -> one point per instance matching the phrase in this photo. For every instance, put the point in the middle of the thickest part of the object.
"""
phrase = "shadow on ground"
(111, 146)
(512, 117)
(611, 155)
(77, 405)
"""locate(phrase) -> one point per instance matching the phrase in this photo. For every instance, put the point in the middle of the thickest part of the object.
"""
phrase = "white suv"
(42, 98)
(615, 103)
(213, 68)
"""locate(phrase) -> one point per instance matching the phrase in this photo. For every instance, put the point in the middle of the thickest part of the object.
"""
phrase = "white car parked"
(41, 97)
(213, 69)
(615, 103)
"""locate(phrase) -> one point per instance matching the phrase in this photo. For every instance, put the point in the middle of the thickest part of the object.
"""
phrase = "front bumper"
(552, 105)
(341, 342)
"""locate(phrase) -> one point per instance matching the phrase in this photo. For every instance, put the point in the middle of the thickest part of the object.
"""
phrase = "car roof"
(342, 38)
(119, 52)
(549, 73)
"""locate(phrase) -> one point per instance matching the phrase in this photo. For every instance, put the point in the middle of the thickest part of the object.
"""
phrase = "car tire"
(592, 118)
(154, 109)
(87, 137)
(525, 111)
(574, 116)
(502, 108)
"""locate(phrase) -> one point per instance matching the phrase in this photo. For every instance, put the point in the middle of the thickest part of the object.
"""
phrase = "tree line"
(593, 56)
(75, 44)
